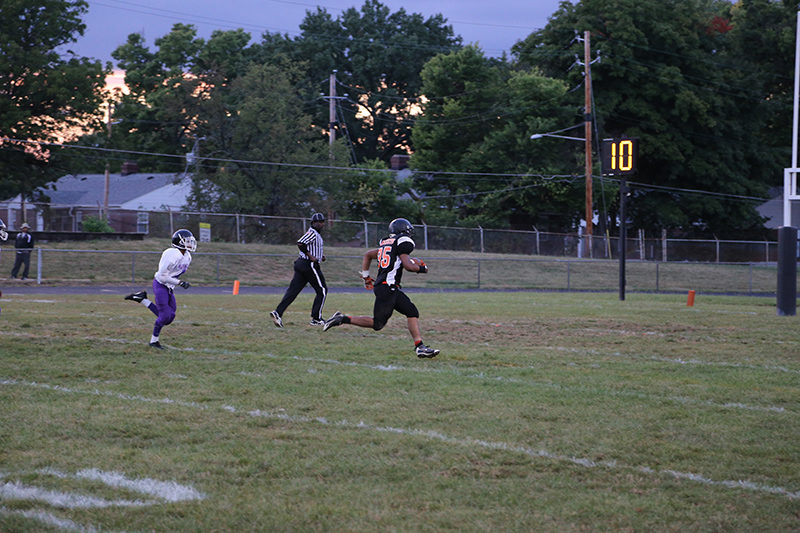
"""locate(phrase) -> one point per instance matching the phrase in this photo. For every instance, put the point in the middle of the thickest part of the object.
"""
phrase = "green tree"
(262, 154)
(46, 91)
(763, 36)
(668, 76)
(473, 146)
(378, 56)
(167, 89)
(372, 192)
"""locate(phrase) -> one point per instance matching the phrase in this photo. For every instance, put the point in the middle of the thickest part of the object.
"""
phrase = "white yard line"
(435, 435)
(161, 491)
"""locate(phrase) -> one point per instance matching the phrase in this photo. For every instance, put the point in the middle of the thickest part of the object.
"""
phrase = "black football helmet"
(401, 226)
(184, 240)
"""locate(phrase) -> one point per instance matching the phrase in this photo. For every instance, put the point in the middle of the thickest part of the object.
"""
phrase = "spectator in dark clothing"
(24, 246)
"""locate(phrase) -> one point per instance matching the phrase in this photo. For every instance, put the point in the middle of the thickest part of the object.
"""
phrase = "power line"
(327, 168)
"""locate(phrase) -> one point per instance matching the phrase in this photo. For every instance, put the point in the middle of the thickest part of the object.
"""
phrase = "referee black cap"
(317, 217)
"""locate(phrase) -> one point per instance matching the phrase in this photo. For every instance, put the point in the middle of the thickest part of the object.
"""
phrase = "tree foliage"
(378, 56)
(669, 75)
(473, 143)
(270, 154)
(763, 37)
(167, 89)
(46, 91)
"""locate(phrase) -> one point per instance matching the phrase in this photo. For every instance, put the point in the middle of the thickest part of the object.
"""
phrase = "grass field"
(544, 412)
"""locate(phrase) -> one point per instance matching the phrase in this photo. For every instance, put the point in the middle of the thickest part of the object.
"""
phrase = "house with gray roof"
(72, 198)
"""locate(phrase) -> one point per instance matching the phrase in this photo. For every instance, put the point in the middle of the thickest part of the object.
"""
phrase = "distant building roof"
(773, 211)
(143, 190)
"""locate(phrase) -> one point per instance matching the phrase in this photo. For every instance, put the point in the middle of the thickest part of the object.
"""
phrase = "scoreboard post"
(621, 158)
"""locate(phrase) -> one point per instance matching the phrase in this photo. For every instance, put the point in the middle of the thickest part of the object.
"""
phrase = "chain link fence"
(222, 227)
(80, 266)
(557, 261)
(284, 230)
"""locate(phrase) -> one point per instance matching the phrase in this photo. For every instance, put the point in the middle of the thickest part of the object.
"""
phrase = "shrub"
(96, 225)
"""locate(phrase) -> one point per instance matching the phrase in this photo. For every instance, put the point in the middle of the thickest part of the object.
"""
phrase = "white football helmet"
(3, 232)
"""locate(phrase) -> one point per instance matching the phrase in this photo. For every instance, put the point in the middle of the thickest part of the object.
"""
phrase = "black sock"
(346, 320)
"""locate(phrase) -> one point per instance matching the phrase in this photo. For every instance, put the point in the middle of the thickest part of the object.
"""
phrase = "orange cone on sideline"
(690, 301)
(236, 287)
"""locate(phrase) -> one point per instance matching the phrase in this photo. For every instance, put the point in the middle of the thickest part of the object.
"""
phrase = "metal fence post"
(218, 255)
(657, 276)
(425, 231)
(568, 273)
(366, 233)
(480, 228)
(133, 267)
(39, 267)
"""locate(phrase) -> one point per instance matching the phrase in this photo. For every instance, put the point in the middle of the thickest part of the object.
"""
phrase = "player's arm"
(413, 265)
(369, 255)
(304, 248)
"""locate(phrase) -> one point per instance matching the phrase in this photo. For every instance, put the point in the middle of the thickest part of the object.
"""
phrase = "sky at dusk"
(494, 26)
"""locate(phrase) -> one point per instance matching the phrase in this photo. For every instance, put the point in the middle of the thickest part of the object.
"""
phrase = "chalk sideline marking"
(160, 491)
(436, 435)
(49, 519)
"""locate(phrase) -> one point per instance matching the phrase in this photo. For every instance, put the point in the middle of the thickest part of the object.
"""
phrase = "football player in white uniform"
(174, 262)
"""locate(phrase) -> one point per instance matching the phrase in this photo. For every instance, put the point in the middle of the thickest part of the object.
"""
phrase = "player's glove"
(184, 284)
(3, 235)
(423, 268)
(369, 283)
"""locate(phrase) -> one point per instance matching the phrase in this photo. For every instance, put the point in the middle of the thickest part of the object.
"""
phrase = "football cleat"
(157, 345)
(137, 296)
(336, 320)
(423, 352)
(315, 322)
(276, 318)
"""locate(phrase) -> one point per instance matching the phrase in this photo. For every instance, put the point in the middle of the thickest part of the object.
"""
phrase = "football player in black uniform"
(393, 256)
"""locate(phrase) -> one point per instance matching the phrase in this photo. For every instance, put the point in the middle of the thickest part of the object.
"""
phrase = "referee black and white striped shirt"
(314, 246)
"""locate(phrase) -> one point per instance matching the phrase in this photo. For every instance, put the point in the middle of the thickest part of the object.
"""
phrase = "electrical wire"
(562, 178)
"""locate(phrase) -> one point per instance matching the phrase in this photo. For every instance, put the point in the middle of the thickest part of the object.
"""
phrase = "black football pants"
(306, 272)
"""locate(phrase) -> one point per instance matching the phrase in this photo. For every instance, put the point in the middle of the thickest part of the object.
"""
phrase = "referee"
(307, 270)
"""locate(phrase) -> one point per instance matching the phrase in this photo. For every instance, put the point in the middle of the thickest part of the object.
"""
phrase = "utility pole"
(332, 113)
(107, 183)
(587, 117)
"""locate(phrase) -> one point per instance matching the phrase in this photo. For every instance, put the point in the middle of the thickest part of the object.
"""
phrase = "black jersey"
(390, 267)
